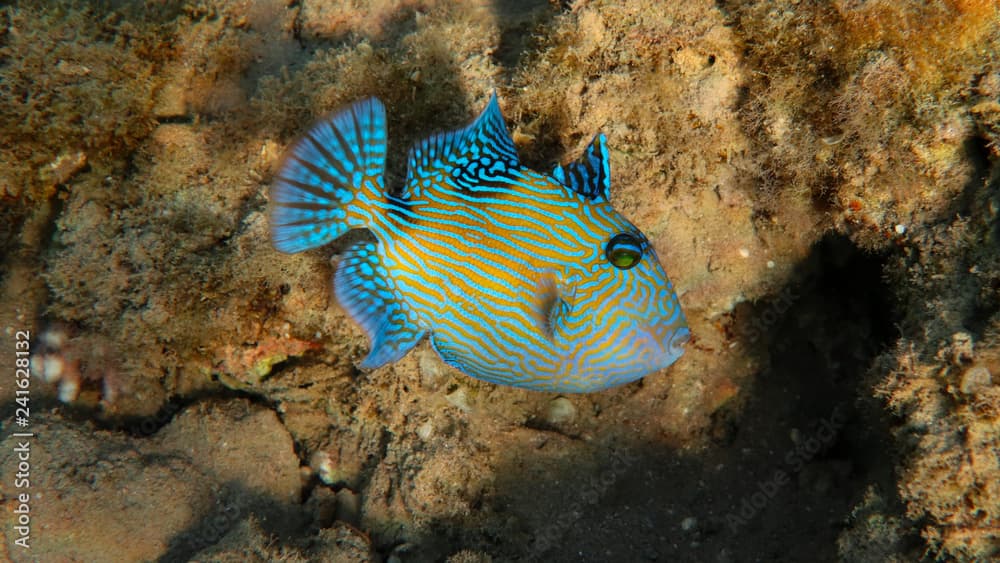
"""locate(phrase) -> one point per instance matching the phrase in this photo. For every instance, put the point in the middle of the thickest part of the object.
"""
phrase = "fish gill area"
(819, 179)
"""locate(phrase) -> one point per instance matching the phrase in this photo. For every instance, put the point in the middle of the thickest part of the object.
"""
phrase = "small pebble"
(689, 523)
(770, 264)
(108, 391)
(900, 229)
(833, 139)
(745, 252)
(560, 411)
(961, 347)
(323, 466)
(52, 368)
(53, 338)
(430, 369)
(425, 430)
(976, 379)
(459, 399)
(69, 389)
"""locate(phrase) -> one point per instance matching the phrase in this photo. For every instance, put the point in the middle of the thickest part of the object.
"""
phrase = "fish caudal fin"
(314, 198)
(363, 288)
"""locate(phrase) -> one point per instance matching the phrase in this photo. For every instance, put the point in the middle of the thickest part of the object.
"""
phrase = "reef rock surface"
(820, 180)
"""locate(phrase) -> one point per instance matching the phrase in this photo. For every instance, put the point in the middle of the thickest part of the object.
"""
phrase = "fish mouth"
(676, 343)
(637, 352)
(667, 343)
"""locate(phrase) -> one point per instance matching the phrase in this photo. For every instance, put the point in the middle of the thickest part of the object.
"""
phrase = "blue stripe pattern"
(517, 278)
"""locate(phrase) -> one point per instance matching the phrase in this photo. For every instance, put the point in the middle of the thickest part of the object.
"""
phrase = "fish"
(516, 277)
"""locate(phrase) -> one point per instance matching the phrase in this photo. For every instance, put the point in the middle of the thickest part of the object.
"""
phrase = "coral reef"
(941, 377)
(819, 178)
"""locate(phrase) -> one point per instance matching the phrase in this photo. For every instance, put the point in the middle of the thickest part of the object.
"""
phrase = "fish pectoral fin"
(553, 303)
(362, 288)
(473, 155)
(590, 175)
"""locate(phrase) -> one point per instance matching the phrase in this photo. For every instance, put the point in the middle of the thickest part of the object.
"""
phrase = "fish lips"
(665, 343)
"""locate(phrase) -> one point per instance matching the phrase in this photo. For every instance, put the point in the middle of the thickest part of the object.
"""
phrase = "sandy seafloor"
(820, 180)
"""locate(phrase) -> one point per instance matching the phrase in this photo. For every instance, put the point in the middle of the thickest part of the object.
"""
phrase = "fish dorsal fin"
(470, 156)
(590, 176)
(363, 288)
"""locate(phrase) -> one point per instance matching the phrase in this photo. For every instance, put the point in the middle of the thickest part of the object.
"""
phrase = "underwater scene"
(476, 281)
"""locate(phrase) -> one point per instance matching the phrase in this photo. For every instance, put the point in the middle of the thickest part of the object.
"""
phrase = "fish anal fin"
(363, 288)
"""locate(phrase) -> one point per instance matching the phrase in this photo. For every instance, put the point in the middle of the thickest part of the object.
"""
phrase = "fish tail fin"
(330, 178)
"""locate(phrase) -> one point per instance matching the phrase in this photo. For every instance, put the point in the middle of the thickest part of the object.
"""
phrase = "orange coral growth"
(934, 39)
(250, 365)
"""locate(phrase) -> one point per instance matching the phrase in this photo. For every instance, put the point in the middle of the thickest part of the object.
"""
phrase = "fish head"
(622, 319)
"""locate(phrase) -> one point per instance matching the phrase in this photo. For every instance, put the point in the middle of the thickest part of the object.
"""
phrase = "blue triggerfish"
(516, 277)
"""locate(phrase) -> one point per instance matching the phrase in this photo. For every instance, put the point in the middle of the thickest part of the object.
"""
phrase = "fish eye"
(624, 251)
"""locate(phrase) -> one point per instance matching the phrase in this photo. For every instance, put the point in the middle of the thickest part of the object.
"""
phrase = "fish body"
(517, 277)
